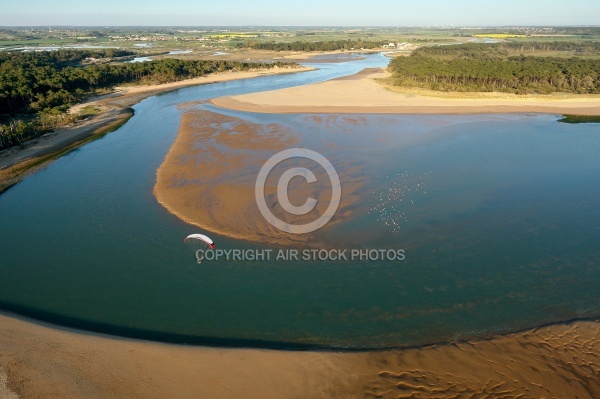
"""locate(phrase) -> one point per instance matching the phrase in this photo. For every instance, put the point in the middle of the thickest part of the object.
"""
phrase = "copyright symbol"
(282, 190)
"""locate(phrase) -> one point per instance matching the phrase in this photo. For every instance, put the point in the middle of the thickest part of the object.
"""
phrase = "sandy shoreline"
(126, 96)
(15, 162)
(362, 94)
(42, 360)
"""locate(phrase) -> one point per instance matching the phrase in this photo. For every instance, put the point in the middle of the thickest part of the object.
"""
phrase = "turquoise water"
(498, 219)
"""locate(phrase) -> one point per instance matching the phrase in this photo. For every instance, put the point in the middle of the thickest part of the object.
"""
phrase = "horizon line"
(306, 26)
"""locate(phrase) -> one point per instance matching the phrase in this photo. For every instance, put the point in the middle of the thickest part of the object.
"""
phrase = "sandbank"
(362, 93)
(208, 178)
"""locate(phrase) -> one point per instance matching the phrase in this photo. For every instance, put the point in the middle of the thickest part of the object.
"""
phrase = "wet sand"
(208, 178)
(362, 94)
(327, 56)
(39, 360)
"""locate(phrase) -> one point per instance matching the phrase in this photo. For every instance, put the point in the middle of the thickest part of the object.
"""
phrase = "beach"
(40, 360)
(362, 93)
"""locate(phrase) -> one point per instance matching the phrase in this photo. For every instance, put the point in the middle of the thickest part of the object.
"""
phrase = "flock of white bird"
(394, 201)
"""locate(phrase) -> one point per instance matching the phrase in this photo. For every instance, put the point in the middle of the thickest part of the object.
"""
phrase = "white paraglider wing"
(199, 243)
(201, 237)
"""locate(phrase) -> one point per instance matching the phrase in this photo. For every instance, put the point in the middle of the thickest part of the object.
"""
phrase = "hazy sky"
(304, 12)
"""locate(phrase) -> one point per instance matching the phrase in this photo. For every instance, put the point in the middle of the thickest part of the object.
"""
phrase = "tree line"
(331, 45)
(44, 84)
(505, 49)
(480, 72)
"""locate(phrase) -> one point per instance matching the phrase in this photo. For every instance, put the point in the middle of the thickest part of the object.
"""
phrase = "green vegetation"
(19, 130)
(505, 49)
(580, 119)
(331, 45)
(46, 83)
(206, 38)
(484, 67)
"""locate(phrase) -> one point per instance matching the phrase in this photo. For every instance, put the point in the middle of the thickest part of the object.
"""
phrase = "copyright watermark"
(283, 193)
(304, 255)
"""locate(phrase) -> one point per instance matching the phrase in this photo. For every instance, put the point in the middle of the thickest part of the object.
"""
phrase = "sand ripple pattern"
(552, 362)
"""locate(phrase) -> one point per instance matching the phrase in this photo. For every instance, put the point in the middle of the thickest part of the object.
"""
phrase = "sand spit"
(44, 361)
(362, 94)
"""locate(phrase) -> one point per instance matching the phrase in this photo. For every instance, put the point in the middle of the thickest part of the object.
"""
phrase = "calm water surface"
(498, 216)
